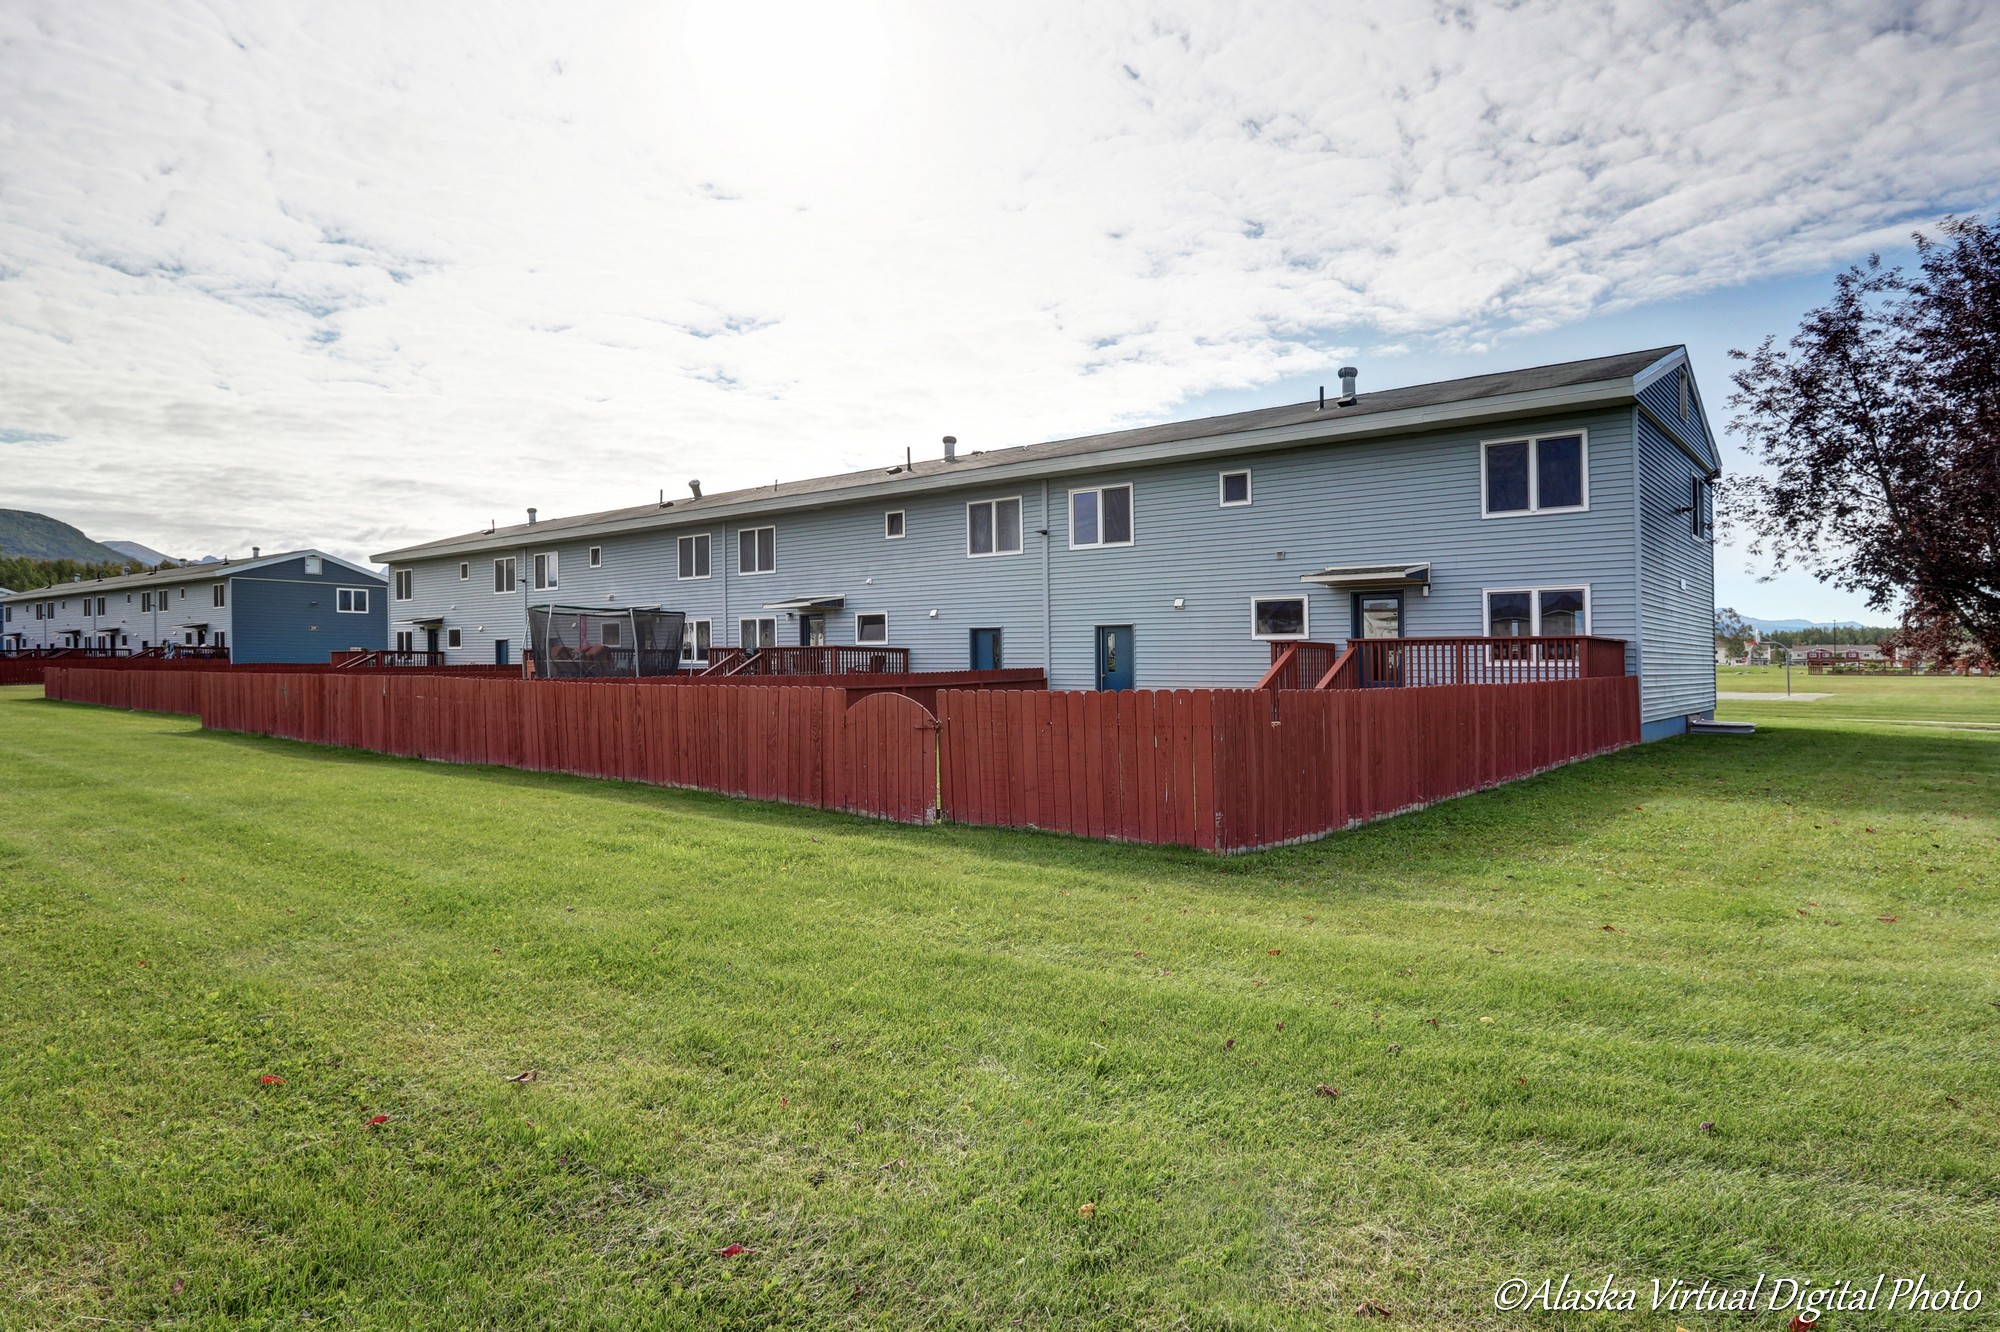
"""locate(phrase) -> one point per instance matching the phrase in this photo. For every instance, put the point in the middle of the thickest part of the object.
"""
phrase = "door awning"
(424, 622)
(808, 604)
(193, 624)
(1406, 574)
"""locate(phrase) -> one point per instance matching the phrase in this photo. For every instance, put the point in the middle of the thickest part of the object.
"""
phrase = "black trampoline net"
(600, 643)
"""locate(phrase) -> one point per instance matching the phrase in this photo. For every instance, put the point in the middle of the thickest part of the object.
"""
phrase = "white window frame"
(1305, 618)
(465, 571)
(403, 583)
(1131, 516)
(506, 562)
(994, 504)
(859, 616)
(742, 620)
(546, 571)
(693, 542)
(596, 557)
(220, 596)
(406, 640)
(454, 638)
(742, 572)
(1534, 443)
(1222, 492)
(355, 597)
(691, 655)
(902, 518)
(314, 566)
(1534, 606)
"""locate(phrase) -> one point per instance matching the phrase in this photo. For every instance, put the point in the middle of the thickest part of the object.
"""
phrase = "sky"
(359, 275)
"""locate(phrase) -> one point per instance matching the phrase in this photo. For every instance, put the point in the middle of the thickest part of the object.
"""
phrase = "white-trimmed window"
(1100, 517)
(892, 525)
(1701, 507)
(694, 555)
(1538, 612)
(695, 642)
(503, 574)
(220, 596)
(1278, 617)
(611, 633)
(406, 640)
(464, 571)
(545, 570)
(313, 566)
(405, 584)
(1233, 489)
(145, 604)
(596, 560)
(993, 527)
(351, 601)
(757, 632)
(454, 638)
(756, 550)
(871, 629)
(1542, 474)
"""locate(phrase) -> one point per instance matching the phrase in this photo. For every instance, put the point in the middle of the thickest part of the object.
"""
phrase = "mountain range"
(36, 536)
(1781, 626)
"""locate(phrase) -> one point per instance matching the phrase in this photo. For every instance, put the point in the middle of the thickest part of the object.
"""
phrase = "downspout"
(712, 558)
(1048, 613)
(1639, 562)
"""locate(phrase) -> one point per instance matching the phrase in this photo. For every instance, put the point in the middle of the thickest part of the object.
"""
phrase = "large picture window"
(757, 550)
(1537, 612)
(1100, 517)
(694, 555)
(1278, 617)
(993, 527)
(1546, 474)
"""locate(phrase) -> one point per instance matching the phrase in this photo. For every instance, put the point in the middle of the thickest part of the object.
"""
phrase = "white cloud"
(282, 273)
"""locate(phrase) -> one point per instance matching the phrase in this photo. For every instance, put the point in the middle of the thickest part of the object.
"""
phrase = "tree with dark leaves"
(1879, 429)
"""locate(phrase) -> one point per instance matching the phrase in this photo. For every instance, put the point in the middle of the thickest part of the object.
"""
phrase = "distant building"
(299, 606)
(1832, 652)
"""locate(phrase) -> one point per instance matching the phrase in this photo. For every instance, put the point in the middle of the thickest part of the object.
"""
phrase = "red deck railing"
(808, 661)
(376, 660)
(1369, 663)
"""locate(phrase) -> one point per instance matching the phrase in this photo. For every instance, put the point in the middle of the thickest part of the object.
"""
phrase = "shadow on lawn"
(1818, 768)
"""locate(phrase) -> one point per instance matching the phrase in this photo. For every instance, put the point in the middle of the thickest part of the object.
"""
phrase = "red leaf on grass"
(271, 1080)
(733, 1250)
(1886, 920)
(1324, 1090)
(378, 1120)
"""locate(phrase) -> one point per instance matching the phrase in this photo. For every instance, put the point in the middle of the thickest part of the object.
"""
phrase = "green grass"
(896, 1062)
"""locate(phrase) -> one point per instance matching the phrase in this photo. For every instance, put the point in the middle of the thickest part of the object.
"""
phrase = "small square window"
(1278, 617)
(597, 557)
(454, 638)
(313, 566)
(892, 525)
(1235, 489)
(871, 628)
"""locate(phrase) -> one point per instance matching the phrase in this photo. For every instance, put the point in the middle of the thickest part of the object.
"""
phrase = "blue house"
(299, 606)
(1556, 500)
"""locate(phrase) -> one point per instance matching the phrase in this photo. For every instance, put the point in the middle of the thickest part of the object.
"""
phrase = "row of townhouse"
(299, 606)
(1562, 499)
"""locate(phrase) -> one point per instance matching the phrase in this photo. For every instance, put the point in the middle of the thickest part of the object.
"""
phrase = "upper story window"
(405, 584)
(503, 574)
(756, 550)
(464, 570)
(1687, 392)
(545, 570)
(1546, 474)
(1701, 506)
(993, 527)
(351, 601)
(892, 525)
(1235, 487)
(1101, 517)
(596, 557)
(313, 566)
(694, 555)
(221, 594)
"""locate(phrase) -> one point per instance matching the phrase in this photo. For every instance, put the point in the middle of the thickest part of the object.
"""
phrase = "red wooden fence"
(1224, 770)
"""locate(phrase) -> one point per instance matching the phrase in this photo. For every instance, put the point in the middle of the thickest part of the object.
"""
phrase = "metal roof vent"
(951, 448)
(256, 552)
(531, 517)
(1347, 375)
(695, 486)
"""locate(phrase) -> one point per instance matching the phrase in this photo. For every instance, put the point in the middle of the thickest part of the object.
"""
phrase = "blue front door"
(985, 649)
(1114, 656)
(500, 652)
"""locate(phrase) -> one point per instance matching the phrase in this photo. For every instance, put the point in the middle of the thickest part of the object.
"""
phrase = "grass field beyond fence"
(1704, 1008)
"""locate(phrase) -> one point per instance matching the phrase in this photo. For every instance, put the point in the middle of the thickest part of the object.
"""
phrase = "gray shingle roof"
(971, 468)
(187, 573)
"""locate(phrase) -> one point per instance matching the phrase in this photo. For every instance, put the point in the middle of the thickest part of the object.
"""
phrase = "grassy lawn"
(1708, 1008)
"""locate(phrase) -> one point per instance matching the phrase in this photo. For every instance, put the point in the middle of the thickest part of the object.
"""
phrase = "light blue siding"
(1662, 398)
(1676, 584)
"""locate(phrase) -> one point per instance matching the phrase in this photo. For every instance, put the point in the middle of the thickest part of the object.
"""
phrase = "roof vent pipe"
(531, 517)
(1347, 374)
(695, 486)
(256, 552)
(951, 448)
